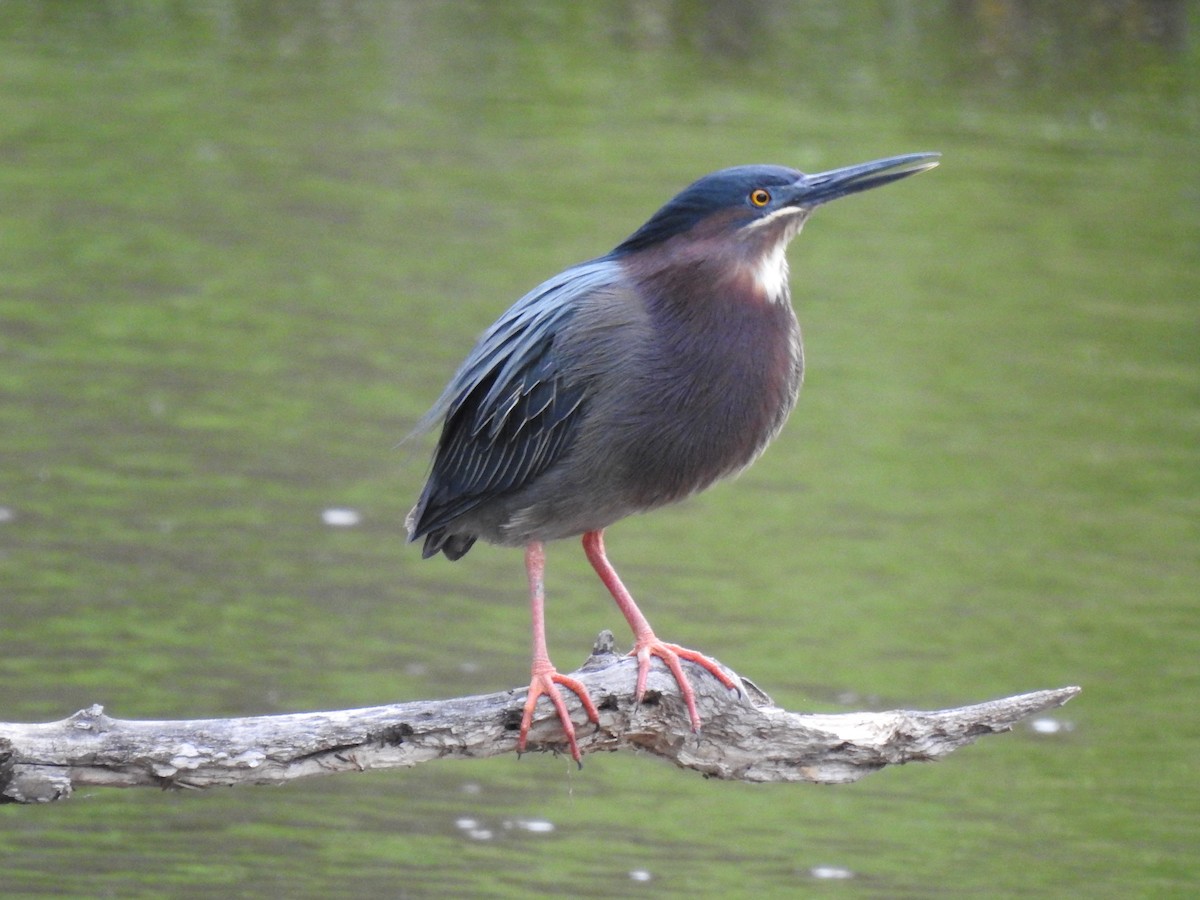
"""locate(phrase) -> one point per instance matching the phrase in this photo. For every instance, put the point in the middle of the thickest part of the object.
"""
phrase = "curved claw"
(671, 654)
(545, 684)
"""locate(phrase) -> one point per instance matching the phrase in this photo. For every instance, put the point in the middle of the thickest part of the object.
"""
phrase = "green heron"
(626, 383)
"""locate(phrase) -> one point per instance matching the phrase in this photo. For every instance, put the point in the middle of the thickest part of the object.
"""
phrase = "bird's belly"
(707, 440)
(646, 455)
(635, 472)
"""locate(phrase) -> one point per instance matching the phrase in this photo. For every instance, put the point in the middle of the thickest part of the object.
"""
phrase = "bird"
(625, 383)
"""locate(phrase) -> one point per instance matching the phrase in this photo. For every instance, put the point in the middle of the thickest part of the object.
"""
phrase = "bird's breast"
(701, 392)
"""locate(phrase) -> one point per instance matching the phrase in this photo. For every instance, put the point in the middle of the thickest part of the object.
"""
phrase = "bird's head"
(762, 205)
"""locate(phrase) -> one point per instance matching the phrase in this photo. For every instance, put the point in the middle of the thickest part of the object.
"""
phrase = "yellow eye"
(759, 197)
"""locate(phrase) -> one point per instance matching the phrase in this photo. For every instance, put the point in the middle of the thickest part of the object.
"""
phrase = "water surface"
(245, 244)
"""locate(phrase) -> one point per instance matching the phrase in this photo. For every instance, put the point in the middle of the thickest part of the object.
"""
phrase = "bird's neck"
(711, 308)
(700, 277)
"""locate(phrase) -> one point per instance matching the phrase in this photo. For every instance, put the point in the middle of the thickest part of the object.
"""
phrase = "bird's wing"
(508, 412)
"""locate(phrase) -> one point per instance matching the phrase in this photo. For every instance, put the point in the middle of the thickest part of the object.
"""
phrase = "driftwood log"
(744, 737)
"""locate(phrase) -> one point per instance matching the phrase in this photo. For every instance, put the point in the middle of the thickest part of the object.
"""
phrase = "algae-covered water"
(242, 246)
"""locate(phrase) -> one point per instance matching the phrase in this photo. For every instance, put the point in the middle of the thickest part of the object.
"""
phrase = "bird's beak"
(813, 190)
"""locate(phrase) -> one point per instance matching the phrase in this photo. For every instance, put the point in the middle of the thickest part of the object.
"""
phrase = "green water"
(243, 244)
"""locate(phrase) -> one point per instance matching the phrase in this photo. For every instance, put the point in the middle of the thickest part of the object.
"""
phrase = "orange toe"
(545, 683)
(671, 654)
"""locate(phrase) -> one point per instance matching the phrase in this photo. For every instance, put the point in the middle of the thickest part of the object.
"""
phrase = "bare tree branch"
(745, 738)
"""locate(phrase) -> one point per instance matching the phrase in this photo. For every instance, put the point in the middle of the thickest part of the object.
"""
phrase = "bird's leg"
(544, 678)
(646, 643)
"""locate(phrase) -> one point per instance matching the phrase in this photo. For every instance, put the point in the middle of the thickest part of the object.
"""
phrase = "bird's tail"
(454, 546)
(437, 540)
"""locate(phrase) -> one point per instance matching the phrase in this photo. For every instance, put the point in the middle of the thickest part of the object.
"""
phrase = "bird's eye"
(760, 197)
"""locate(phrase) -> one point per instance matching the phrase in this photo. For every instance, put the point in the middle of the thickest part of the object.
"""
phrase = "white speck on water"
(341, 518)
(535, 826)
(1050, 725)
(473, 829)
(830, 873)
(639, 875)
(6, 514)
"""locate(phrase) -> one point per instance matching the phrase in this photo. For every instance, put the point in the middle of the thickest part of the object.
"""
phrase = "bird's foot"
(544, 682)
(671, 654)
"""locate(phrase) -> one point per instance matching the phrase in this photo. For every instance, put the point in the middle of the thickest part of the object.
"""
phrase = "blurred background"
(244, 243)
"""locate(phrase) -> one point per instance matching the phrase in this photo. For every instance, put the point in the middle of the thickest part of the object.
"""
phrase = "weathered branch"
(745, 738)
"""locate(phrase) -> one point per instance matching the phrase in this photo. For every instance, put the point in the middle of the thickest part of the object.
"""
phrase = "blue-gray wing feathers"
(509, 412)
